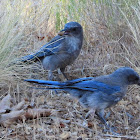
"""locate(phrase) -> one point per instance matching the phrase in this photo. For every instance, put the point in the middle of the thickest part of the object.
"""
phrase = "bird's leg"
(62, 70)
(50, 75)
(101, 117)
(91, 112)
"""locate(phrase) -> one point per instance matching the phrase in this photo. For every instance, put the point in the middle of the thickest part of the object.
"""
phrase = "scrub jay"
(61, 51)
(97, 93)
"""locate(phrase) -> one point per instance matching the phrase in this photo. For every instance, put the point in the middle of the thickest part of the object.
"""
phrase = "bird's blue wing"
(97, 86)
(89, 84)
(52, 47)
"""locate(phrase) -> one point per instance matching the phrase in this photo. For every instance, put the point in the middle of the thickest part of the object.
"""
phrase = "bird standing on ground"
(61, 51)
(97, 93)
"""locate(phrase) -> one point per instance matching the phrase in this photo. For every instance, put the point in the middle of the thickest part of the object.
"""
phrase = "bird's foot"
(90, 112)
(109, 129)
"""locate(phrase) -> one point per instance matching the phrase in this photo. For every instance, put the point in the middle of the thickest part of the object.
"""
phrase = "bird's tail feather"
(45, 83)
(53, 85)
(58, 85)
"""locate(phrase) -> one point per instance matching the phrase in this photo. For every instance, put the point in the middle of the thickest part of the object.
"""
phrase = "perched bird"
(97, 93)
(61, 51)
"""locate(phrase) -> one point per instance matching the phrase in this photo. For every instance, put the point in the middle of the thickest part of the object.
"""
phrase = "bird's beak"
(63, 32)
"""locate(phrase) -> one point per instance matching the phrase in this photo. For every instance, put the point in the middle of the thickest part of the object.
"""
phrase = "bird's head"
(127, 76)
(72, 29)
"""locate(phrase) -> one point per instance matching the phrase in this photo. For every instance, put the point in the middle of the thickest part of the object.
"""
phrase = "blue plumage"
(61, 51)
(97, 93)
(48, 49)
(83, 84)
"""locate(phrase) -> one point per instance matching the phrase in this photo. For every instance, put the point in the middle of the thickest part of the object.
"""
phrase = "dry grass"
(111, 40)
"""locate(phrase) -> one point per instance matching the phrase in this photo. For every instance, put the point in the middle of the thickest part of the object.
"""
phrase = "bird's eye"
(74, 29)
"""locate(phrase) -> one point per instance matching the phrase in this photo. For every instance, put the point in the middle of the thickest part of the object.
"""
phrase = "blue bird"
(96, 93)
(61, 51)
